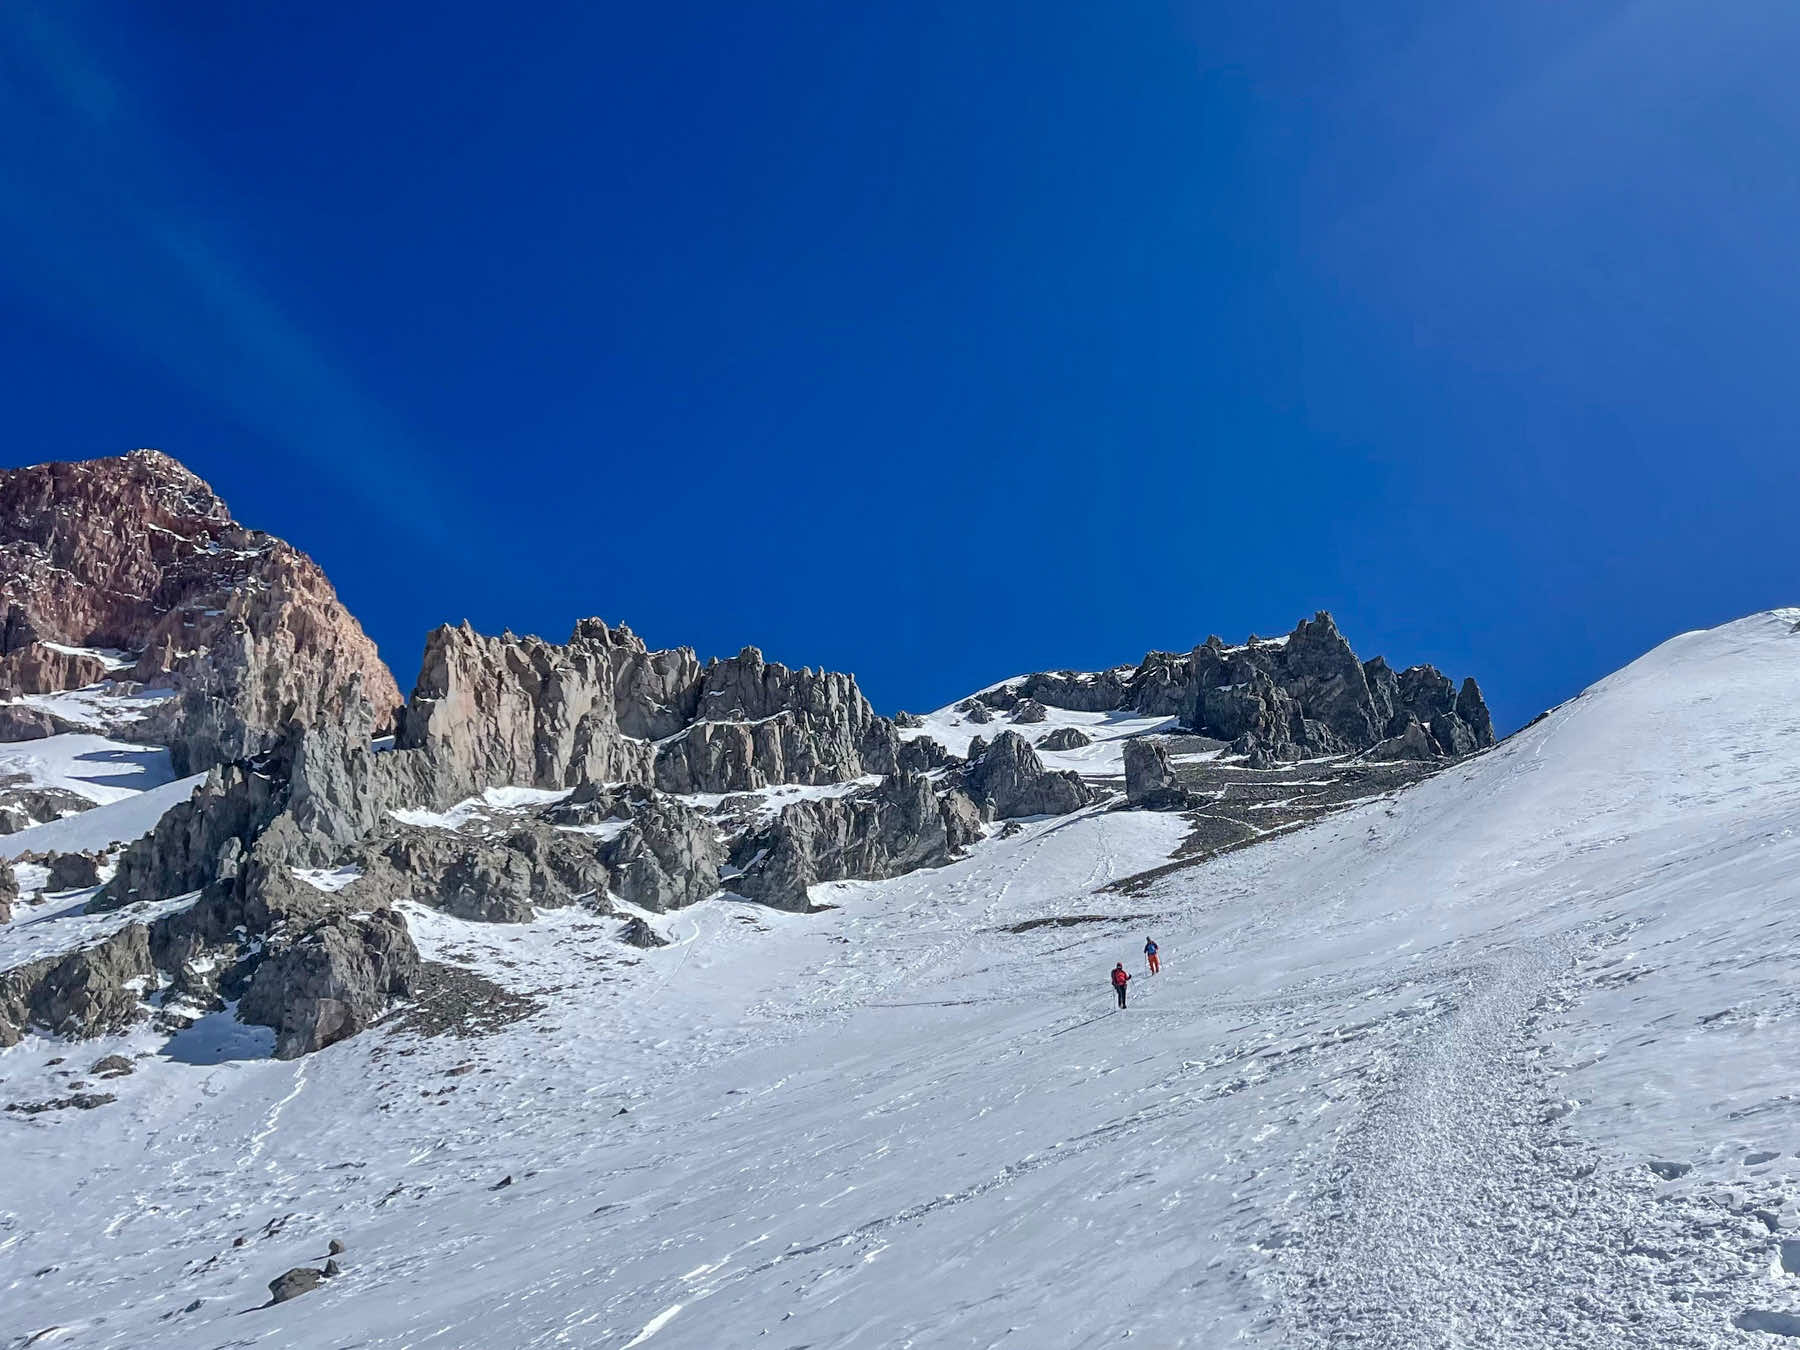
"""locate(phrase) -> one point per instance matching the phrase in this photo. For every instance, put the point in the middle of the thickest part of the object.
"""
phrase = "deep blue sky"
(940, 341)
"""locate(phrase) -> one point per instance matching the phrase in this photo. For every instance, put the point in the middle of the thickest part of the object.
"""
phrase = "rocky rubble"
(132, 569)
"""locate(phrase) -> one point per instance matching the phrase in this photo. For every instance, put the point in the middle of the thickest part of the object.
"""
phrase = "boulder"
(293, 1283)
(1065, 738)
(1029, 711)
(640, 934)
(72, 871)
(908, 721)
(328, 983)
(1150, 780)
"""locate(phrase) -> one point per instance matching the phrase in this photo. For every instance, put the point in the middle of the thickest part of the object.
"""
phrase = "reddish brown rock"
(132, 568)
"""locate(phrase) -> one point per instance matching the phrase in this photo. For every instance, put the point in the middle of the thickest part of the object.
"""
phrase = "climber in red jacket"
(1120, 978)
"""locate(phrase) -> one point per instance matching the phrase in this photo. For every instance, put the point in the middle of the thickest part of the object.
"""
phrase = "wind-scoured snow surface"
(117, 822)
(1509, 1059)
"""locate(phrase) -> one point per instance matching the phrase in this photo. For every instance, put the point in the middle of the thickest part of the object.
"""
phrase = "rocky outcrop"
(1156, 687)
(1066, 738)
(9, 891)
(1010, 780)
(1028, 711)
(898, 827)
(499, 879)
(604, 708)
(1311, 696)
(320, 791)
(197, 841)
(132, 569)
(24, 804)
(1297, 697)
(89, 992)
(1150, 780)
(660, 853)
(23, 722)
(331, 981)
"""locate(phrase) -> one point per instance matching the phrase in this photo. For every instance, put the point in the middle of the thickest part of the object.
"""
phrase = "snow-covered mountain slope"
(1506, 1059)
(103, 827)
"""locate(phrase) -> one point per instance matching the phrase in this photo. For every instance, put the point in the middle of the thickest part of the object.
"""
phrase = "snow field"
(1502, 1060)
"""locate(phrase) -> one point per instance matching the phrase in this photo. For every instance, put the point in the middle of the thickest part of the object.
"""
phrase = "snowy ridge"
(1506, 1059)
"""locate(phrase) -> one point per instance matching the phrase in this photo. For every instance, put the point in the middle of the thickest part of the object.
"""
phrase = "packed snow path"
(1505, 1060)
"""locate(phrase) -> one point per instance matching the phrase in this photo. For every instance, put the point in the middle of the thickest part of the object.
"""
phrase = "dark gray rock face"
(1066, 738)
(1029, 711)
(90, 992)
(1150, 781)
(642, 935)
(1412, 742)
(1010, 780)
(73, 871)
(196, 840)
(496, 879)
(660, 853)
(1311, 696)
(9, 891)
(330, 982)
(318, 792)
(667, 857)
(908, 721)
(898, 827)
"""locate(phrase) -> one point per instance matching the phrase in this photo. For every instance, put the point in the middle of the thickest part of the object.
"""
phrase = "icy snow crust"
(1400, 1083)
